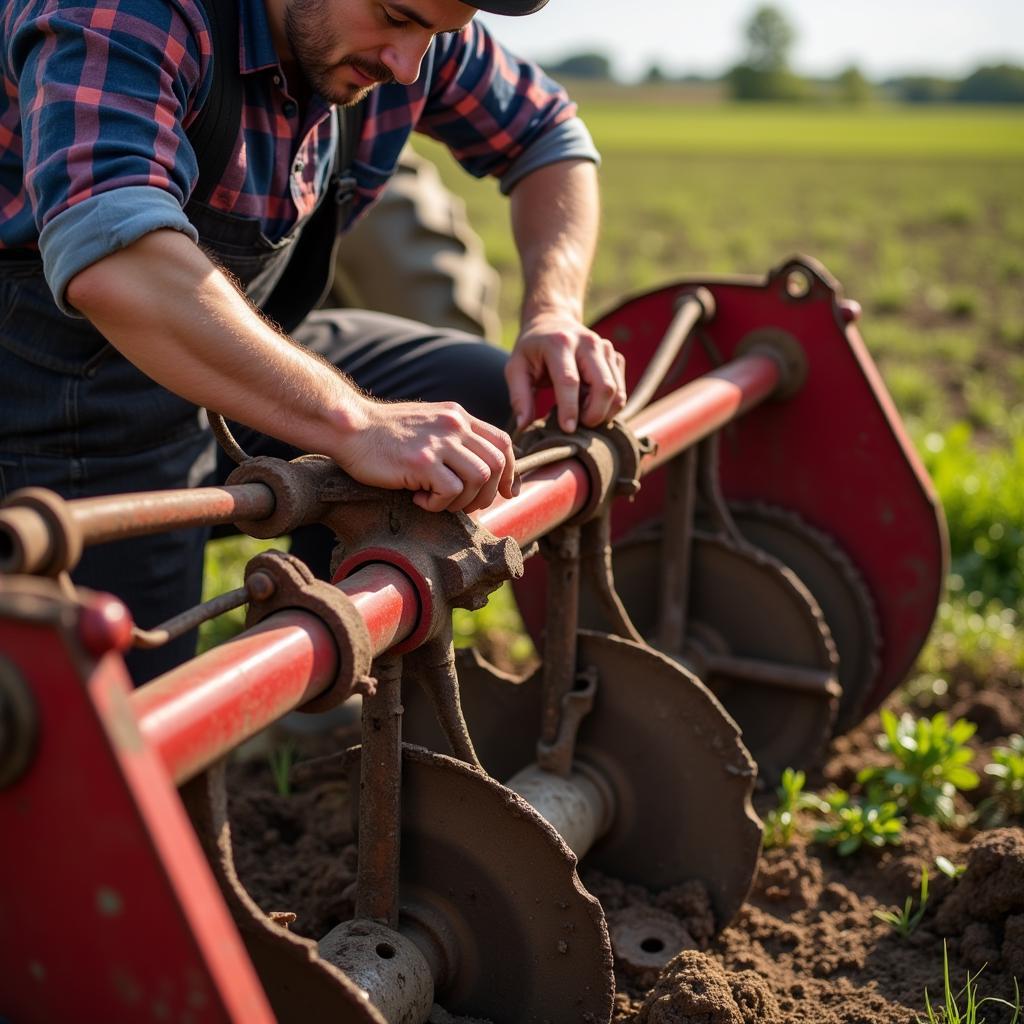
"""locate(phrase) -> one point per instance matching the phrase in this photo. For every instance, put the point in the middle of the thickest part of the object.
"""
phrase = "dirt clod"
(991, 888)
(695, 989)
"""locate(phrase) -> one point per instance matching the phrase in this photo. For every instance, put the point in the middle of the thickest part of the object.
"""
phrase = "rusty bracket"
(557, 757)
(432, 666)
(41, 531)
(450, 560)
(295, 586)
(596, 561)
(297, 488)
(611, 455)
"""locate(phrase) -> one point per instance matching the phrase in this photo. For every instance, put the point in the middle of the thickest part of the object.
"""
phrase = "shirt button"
(289, 108)
(276, 79)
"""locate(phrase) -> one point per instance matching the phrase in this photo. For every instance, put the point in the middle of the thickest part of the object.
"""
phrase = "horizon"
(953, 43)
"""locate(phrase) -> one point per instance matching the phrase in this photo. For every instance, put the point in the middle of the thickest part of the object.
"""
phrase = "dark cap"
(511, 7)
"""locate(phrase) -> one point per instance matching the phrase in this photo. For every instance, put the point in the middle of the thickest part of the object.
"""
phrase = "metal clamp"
(295, 586)
(611, 455)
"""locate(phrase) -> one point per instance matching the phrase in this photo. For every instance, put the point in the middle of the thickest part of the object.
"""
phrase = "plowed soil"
(805, 949)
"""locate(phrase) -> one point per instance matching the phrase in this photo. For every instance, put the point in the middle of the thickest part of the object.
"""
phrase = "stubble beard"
(311, 48)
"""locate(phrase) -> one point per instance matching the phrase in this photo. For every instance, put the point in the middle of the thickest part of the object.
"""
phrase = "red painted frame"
(109, 909)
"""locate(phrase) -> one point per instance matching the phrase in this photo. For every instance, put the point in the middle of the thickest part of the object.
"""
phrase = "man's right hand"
(451, 460)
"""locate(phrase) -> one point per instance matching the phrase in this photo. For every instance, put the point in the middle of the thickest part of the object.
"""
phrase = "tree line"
(766, 74)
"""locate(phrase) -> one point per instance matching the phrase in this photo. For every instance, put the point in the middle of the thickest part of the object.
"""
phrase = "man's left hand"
(585, 371)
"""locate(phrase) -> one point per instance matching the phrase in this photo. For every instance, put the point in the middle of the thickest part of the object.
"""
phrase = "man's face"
(346, 47)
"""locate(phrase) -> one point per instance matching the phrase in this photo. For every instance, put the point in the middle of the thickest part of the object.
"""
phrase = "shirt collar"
(256, 44)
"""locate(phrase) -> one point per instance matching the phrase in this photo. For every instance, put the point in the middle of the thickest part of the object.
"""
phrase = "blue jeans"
(80, 419)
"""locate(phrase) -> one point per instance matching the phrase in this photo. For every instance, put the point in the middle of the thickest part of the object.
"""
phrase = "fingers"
(468, 466)
(580, 365)
(520, 388)
(602, 370)
(565, 380)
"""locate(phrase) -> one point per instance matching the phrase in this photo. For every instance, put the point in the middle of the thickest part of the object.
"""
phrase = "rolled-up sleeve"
(500, 115)
(104, 94)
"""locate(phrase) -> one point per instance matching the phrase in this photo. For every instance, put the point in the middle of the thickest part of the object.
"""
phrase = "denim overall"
(77, 417)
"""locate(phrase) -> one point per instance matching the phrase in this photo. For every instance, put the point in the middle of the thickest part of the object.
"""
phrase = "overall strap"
(213, 132)
(306, 280)
(350, 127)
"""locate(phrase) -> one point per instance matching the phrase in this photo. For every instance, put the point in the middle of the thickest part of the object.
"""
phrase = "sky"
(882, 37)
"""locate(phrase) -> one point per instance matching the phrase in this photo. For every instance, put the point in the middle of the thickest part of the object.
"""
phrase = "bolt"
(105, 624)
(260, 586)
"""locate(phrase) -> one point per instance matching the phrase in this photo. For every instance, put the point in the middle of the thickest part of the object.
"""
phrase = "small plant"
(857, 824)
(281, 759)
(1007, 799)
(949, 869)
(931, 759)
(905, 921)
(782, 823)
(951, 1013)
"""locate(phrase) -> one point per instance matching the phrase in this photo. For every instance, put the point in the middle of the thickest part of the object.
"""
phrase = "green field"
(920, 214)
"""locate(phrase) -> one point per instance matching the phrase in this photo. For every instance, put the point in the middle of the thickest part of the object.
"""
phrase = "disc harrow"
(744, 563)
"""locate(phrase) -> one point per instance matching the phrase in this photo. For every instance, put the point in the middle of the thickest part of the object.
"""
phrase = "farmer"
(157, 157)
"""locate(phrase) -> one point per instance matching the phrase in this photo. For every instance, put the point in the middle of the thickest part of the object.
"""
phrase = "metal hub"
(756, 638)
(679, 775)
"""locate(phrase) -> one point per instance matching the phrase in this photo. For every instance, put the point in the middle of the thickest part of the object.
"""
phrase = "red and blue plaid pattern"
(97, 95)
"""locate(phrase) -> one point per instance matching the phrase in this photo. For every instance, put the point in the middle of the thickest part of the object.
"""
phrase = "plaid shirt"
(98, 94)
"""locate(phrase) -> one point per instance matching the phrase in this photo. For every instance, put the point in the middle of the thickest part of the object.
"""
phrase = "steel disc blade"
(744, 605)
(680, 775)
(533, 943)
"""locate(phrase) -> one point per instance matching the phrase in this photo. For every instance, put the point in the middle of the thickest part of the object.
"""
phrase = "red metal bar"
(701, 407)
(548, 497)
(197, 713)
(203, 709)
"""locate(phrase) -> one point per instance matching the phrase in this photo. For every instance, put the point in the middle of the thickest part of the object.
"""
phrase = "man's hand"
(584, 369)
(452, 460)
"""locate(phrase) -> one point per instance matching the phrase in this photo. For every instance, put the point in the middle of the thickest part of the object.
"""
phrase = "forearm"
(169, 311)
(555, 216)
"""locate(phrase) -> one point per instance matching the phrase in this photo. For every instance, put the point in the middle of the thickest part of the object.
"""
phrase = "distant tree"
(583, 65)
(770, 38)
(853, 87)
(921, 89)
(655, 75)
(765, 74)
(997, 83)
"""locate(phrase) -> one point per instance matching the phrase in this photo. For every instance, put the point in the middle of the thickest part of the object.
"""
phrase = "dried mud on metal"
(805, 949)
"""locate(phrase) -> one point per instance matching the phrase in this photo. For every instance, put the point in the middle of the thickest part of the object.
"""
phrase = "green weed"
(930, 760)
(854, 824)
(1007, 799)
(281, 758)
(904, 922)
(963, 1007)
(784, 821)
(982, 492)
